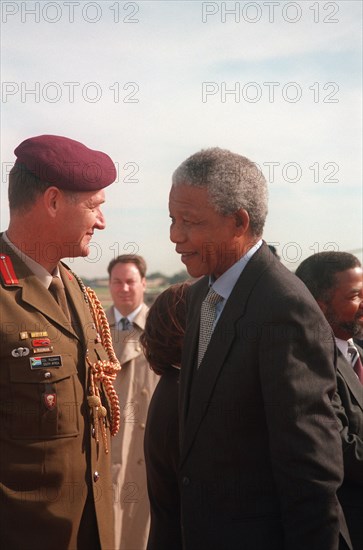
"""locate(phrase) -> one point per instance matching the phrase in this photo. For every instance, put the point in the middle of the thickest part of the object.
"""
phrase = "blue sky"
(150, 83)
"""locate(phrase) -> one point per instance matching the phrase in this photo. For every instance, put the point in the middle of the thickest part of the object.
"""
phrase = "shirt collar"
(131, 316)
(342, 345)
(226, 282)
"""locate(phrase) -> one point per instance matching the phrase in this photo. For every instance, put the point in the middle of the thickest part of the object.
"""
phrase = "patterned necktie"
(207, 317)
(355, 360)
(125, 323)
(56, 288)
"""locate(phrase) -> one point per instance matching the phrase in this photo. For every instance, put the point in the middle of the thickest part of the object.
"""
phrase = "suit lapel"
(199, 385)
(140, 318)
(35, 295)
(110, 317)
(189, 351)
(347, 372)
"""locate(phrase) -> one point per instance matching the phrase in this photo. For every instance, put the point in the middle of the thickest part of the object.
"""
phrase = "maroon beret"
(66, 163)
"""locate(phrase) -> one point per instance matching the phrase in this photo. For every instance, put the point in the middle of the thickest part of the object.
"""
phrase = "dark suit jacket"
(261, 456)
(161, 459)
(348, 404)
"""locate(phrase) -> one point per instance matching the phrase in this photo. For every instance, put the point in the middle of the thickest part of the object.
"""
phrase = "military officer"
(57, 402)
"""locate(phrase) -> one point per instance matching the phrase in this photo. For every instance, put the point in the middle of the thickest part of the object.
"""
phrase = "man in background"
(335, 279)
(135, 385)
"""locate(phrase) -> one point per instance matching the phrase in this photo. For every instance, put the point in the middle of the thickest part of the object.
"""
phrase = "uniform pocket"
(44, 401)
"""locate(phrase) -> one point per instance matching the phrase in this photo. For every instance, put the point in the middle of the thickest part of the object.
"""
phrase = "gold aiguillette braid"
(104, 372)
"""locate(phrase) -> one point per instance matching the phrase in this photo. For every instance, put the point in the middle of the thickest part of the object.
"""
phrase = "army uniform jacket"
(135, 385)
(55, 482)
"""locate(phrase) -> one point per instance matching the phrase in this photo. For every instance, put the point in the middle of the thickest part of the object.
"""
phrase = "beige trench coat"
(135, 385)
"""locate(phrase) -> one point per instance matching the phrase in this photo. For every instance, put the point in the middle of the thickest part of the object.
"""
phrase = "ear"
(242, 221)
(52, 200)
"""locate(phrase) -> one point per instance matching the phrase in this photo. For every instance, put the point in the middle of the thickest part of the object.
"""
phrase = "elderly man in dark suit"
(335, 279)
(261, 458)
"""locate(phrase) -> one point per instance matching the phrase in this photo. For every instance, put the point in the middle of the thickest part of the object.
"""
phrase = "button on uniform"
(96, 476)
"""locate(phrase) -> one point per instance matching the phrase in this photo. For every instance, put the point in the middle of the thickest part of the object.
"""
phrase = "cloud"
(138, 95)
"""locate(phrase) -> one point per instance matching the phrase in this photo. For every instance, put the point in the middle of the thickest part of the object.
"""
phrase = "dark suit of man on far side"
(348, 404)
(335, 279)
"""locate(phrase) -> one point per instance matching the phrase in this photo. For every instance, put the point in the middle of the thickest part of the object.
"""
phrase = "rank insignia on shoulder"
(50, 400)
(7, 270)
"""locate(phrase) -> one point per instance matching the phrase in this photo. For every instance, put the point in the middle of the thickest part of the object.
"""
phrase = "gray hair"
(233, 182)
